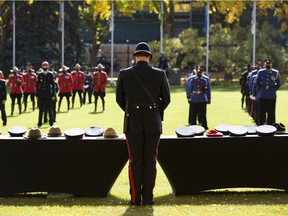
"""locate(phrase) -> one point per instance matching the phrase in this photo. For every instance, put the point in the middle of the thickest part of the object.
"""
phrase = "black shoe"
(148, 203)
(39, 125)
(4, 123)
(134, 204)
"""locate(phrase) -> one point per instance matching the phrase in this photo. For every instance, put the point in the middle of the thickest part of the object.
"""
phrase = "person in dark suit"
(143, 120)
(3, 98)
(46, 93)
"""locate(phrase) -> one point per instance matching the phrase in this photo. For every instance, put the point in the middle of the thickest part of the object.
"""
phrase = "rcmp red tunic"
(99, 81)
(30, 80)
(78, 80)
(65, 82)
(15, 83)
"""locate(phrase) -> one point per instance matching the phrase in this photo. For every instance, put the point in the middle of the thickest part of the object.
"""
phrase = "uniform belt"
(145, 105)
(198, 92)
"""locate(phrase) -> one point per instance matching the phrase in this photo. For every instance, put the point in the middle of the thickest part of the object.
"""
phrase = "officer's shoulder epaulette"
(158, 69)
(276, 71)
(125, 69)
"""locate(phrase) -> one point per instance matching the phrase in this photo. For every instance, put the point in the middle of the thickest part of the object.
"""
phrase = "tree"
(37, 37)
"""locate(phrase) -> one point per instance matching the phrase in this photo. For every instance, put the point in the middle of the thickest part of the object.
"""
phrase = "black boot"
(25, 106)
(95, 106)
(12, 109)
(20, 108)
(103, 105)
(33, 105)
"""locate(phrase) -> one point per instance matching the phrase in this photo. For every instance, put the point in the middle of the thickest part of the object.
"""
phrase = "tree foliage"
(37, 35)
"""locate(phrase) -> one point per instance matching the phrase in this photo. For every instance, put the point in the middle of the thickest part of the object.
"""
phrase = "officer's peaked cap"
(45, 64)
(268, 61)
(141, 48)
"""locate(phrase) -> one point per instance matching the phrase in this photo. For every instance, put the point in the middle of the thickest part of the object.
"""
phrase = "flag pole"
(14, 34)
(254, 31)
(112, 43)
(207, 36)
(161, 26)
(62, 26)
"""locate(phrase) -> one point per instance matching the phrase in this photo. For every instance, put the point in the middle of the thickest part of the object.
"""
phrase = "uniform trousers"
(15, 96)
(3, 113)
(266, 106)
(32, 96)
(80, 92)
(200, 110)
(88, 91)
(142, 151)
(45, 104)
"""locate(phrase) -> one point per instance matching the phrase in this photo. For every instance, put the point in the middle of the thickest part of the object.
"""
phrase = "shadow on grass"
(274, 197)
(227, 197)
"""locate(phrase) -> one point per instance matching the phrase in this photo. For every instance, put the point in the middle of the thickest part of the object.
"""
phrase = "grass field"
(225, 108)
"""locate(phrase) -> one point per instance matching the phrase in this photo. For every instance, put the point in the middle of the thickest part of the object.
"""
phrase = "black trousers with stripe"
(143, 151)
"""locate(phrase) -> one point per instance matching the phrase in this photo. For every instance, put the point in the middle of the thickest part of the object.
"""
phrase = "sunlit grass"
(225, 108)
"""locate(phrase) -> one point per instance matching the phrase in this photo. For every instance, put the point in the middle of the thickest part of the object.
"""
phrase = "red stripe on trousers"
(132, 185)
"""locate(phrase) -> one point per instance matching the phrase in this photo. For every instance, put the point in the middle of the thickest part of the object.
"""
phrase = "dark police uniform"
(46, 92)
(243, 81)
(266, 84)
(3, 97)
(143, 126)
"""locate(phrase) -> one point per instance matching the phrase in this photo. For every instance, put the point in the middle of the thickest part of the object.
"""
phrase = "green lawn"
(225, 108)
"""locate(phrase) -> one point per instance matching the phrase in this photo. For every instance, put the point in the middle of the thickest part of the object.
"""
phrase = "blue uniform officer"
(266, 84)
(198, 94)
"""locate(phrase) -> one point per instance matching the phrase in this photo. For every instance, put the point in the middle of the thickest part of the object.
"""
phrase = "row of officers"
(258, 88)
(44, 86)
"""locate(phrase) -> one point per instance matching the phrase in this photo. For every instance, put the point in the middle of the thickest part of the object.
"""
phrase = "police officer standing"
(78, 83)
(99, 82)
(243, 81)
(267, 83)
(65, 83)
(3, 98)
(143, 93)
(164, 63)
(15, 83)
(199, 95)
(30, 79)
(88, 87)
(46, 93)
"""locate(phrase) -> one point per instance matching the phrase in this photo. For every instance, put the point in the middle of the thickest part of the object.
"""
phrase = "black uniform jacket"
(3, 93)
(155, 80)
(45, 86)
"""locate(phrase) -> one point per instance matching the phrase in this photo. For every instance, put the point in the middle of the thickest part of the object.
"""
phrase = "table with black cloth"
(196, 164)
(87, 167)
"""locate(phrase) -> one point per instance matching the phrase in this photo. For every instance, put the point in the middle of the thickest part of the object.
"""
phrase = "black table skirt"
(202, 163)
(86, 167)
(90, 166)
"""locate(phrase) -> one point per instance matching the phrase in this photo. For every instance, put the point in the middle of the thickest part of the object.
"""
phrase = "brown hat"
(110, 133)
(54, 131)
(100, 66)
(77, 66)
(64, 68)
(15, 69)
(34, 133)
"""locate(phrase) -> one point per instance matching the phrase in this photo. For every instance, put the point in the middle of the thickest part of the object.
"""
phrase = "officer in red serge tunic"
(78, 83)
(30, 79)
(15, 83)
(65, 82)
(99, 81)
(143, 121)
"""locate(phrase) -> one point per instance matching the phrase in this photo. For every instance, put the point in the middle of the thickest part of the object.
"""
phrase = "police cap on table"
(141, 48)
